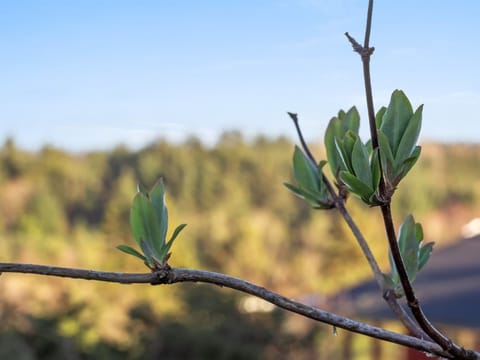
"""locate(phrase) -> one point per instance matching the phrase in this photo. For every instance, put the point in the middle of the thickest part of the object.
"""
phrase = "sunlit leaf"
(396, 118)
(143, 220)
(409, 137)
(305, 171)
(336, 132)
(386, 157)
(149, 253)
(356, 186)
(379, 116)
(425, 252)
(157, 197)
(414, 255)
(360, 163)
(375, 169)
(408, 164)
(315, 199)
(166, 248)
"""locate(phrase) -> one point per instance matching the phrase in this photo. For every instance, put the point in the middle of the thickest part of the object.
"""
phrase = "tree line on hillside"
(63, 208)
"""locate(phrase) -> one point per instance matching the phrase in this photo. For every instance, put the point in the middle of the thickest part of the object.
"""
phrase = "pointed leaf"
(148, 252)
(379, 116)
(396, 118)
(386, 156)
(313, 198)
(336, 130)
(418, 232)
(424, 255)
(409, 245)
(177, 231)
(305, 172)
(408, 164)
(406, 232)
(348, 144)
(157, 197)
(360, 163)
(356, 186)
(331, 147)
(168, 245)
(389, 281)
(131, 251)
(143, 220)
(409, 137)
(343, 157)
(153, 256)
(375, 169)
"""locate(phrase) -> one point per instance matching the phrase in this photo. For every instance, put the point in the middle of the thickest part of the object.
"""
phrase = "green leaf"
(396, 118)
(418, 232)
(410, 238)
(356, 186)
(177, 231)
(143, 220)
(389, 281)
(348, 145)
(360, 163)
(343, 158)
(315, 199)
(331, 147)
(375, 169)
(414, 255)
(131, 251)
(379, 116)
(425, 252)
(149, 253)
(409, 137)
(406, 231)
(168, 245)
(336, 131)
(351, 120)
(386, 156)
(142, 189)
(302, 193)
(408, 164)
(305, 171)
(157, 197)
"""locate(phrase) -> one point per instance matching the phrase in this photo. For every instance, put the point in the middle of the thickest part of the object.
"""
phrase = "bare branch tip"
(293, 116)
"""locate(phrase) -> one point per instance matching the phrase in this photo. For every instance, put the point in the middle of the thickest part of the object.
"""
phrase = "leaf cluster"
(353, 163)
(358, 167)
(398, 130)
(414, 252)
(309, 177)
(149, 224)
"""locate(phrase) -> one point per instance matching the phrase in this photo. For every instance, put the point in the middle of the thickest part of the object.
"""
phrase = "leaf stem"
(305, 147)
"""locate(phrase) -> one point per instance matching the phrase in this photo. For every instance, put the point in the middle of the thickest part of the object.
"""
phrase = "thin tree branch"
(305, 147)
(171, 276)
(447, 344)
(387, 294)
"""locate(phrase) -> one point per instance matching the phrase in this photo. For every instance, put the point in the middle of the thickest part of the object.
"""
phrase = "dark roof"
(448, 288)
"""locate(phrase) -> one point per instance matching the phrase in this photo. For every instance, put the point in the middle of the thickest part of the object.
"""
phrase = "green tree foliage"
(73, 209)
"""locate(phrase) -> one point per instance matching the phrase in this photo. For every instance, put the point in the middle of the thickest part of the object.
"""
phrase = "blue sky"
(93, 73)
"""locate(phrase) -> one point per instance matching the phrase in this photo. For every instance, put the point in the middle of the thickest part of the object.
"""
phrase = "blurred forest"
(72, 210)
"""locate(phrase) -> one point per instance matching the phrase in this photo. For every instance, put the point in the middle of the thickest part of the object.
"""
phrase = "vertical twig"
(365, 53)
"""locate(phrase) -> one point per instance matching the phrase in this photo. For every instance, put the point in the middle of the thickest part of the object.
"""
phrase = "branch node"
(364, 52)
(161, 276)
